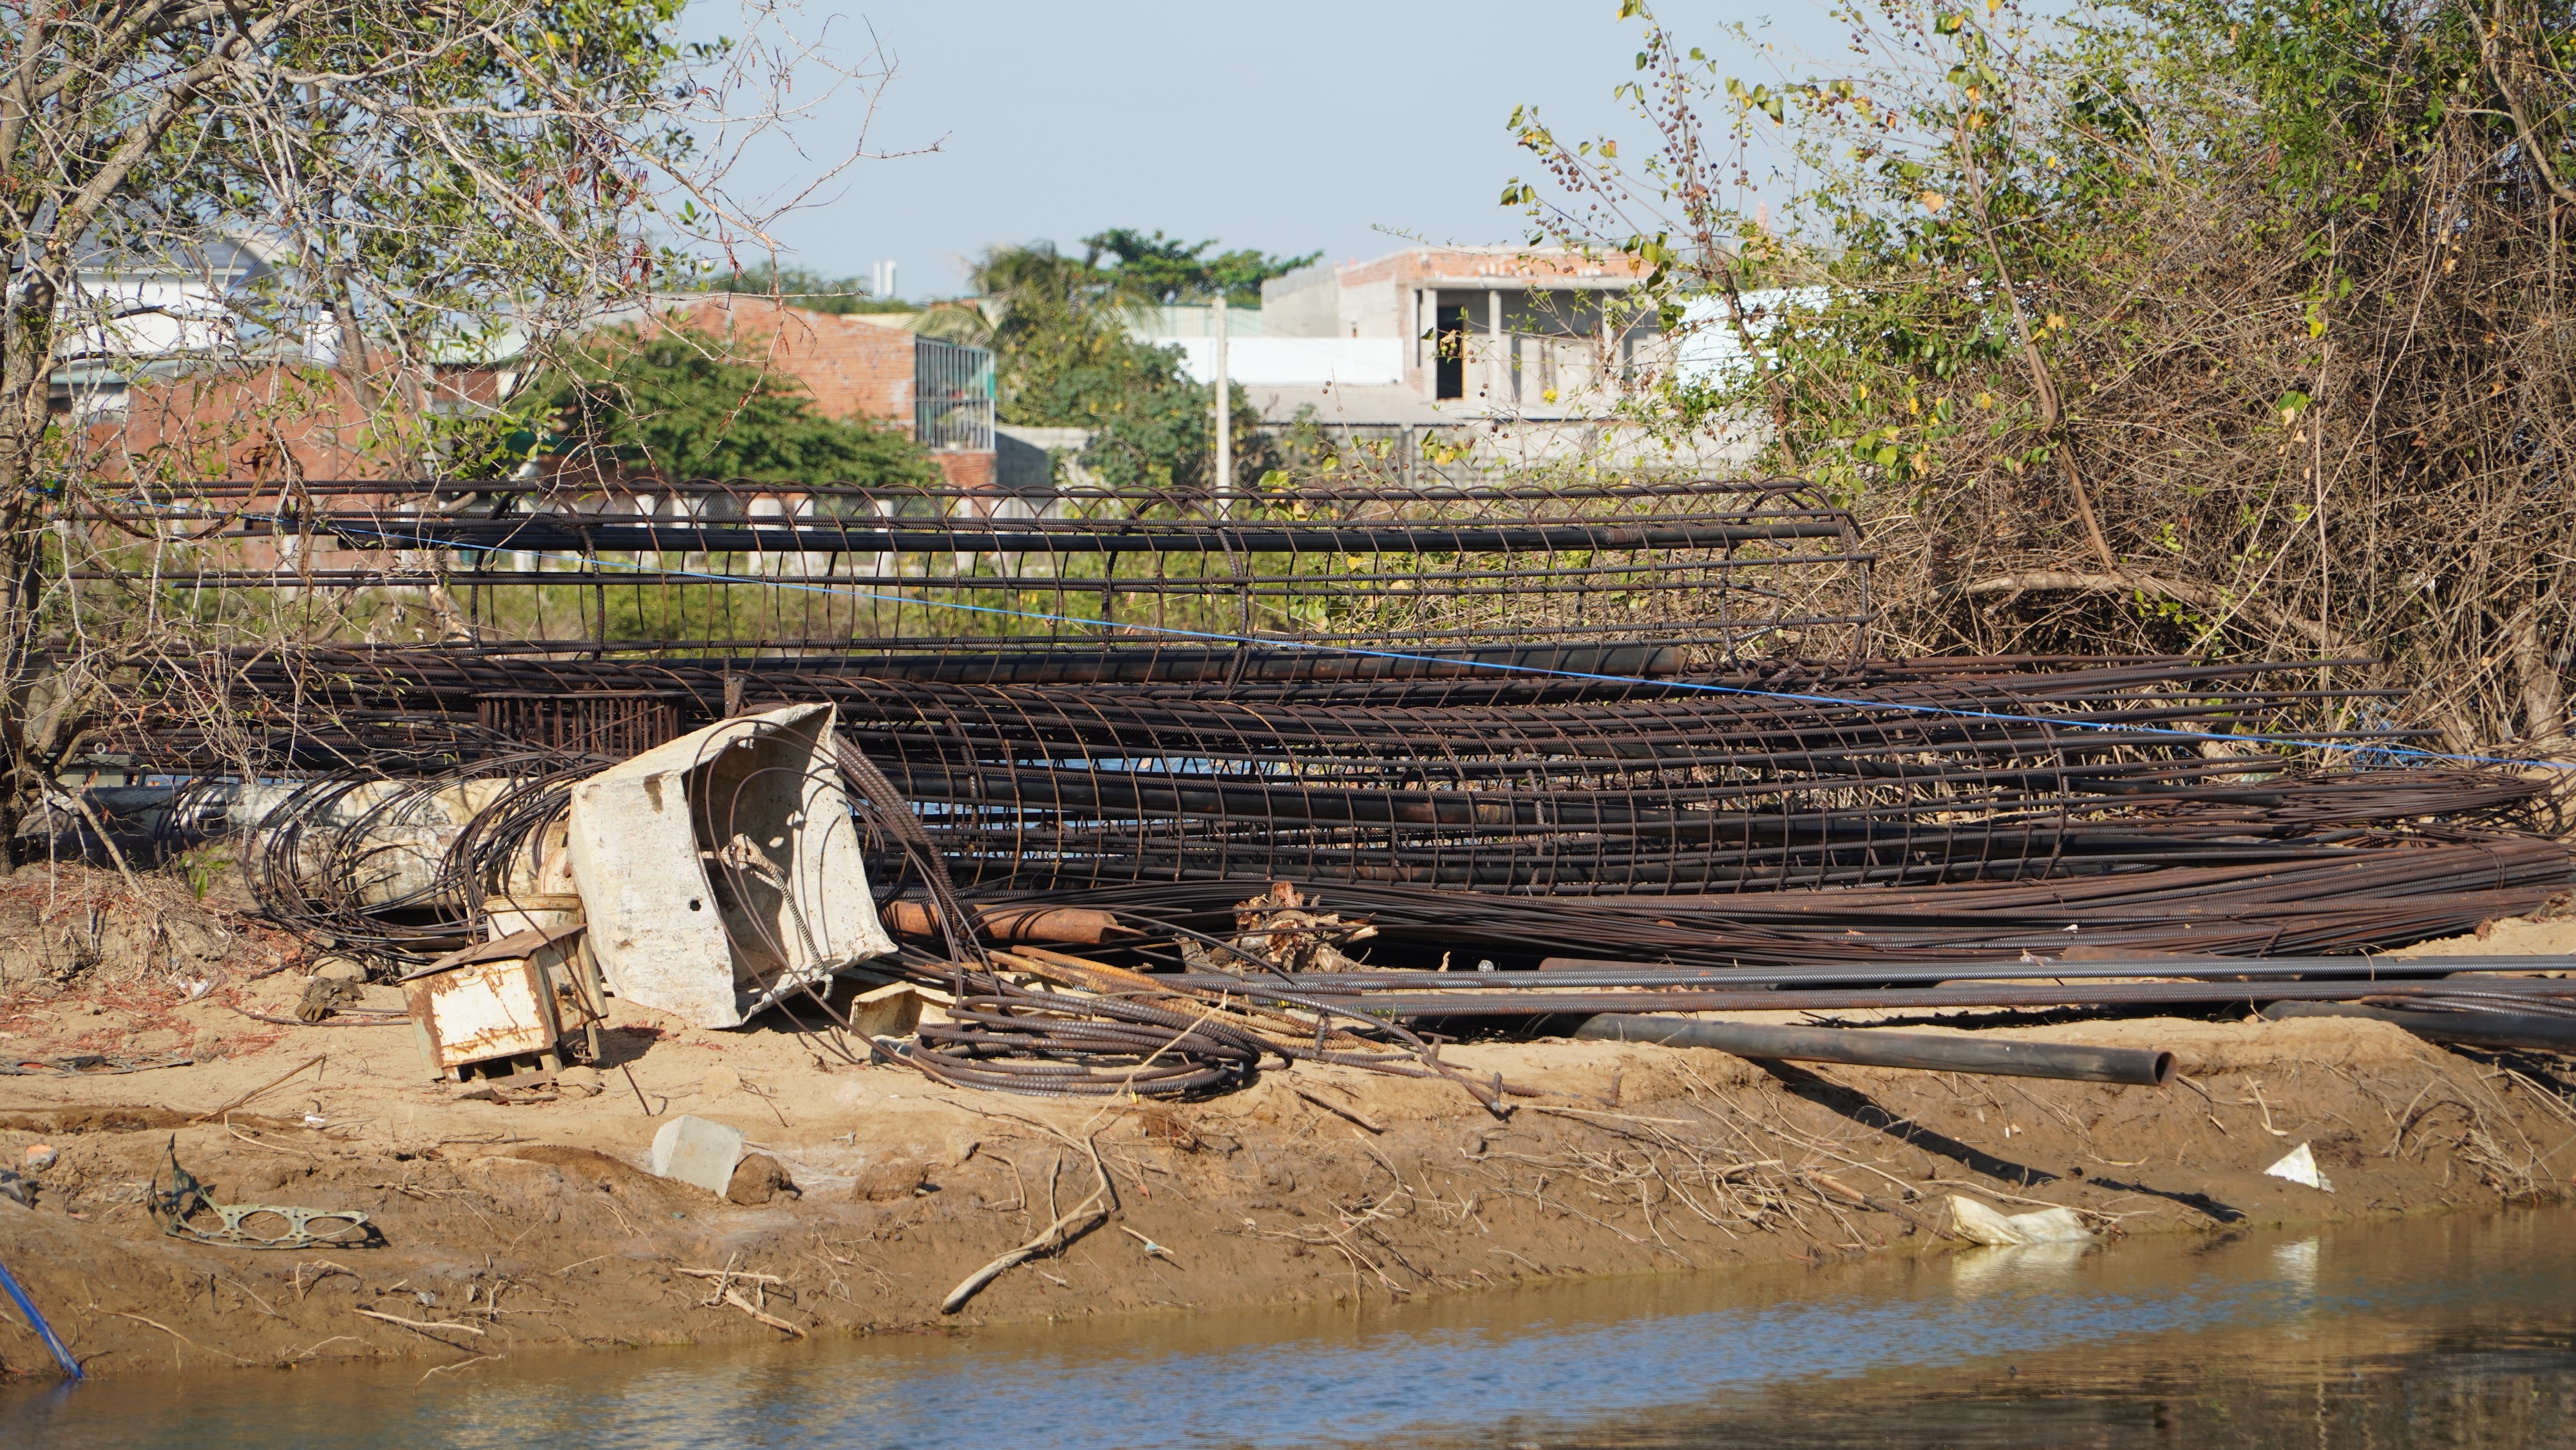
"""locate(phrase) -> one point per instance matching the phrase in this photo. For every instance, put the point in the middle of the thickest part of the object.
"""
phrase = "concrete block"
(723, 870)
(697, 1152)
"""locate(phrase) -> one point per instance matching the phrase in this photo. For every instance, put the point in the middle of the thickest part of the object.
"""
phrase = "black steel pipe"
(1999, 1057)
(2469, 1029)
(1506, 1003)
(610, 534)
(1576, 973)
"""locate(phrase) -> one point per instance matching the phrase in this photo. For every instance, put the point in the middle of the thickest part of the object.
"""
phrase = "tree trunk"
(26, 380)
(2544, 697)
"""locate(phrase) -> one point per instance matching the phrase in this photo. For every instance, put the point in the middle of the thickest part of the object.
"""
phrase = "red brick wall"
(850, 366)
(268, 422)
(967, 470)
(254, 423)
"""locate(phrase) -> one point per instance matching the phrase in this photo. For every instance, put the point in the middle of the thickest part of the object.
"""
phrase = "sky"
(1344, 126)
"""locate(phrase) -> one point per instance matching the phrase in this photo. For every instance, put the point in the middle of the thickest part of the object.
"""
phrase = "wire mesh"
(609, 723)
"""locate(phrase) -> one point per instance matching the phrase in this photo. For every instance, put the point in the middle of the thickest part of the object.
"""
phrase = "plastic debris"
(1982, 1225)
(41, 1156)
(2301, 1167)
(36, 1321)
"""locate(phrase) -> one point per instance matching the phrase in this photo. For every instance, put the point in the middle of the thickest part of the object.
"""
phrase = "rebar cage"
(1699, 573)
(1788, 776)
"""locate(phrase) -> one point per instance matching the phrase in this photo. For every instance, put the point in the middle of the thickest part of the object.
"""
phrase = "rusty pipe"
(2000, 1057)
(1065, 925)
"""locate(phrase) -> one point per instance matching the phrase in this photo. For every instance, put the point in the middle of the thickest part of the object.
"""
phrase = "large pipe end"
(2165, 1071)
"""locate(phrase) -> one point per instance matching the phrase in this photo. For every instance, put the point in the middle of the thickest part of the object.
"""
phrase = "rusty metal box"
(493, 1001)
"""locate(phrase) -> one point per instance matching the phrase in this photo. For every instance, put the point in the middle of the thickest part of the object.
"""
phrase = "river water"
(2434, 1331)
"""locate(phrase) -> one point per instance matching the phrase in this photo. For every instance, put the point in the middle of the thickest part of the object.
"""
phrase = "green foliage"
(204, 867)
(811, 291)
(1066, 360)
(1158, 268)
(1122, 267)
(2164, 324)
(1066, 364)
(677, 405)
(467, 168)
(428, 187)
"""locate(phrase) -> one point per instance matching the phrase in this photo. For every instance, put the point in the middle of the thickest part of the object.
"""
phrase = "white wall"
(1368, 310)
(1305, 303)
(1350, 361)
(148, 317)
(1711, 353)
(1195, 319)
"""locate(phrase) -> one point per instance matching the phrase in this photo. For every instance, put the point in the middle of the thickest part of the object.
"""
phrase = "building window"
(952, 396)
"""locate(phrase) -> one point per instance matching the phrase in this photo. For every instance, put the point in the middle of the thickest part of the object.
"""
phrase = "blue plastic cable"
(43, 1330)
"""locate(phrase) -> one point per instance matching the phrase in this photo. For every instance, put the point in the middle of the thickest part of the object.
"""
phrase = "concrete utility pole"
(1224, 432)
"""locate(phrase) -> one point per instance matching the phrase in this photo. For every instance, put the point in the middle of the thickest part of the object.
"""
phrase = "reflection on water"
(2440, 1331)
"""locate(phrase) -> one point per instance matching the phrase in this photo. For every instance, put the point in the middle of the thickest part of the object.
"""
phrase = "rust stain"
(484, 1010)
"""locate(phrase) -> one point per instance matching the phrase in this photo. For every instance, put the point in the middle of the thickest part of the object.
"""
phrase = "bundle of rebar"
(338, 705)
(2394, 890)
(1513, 721)
(1705, 818)
(1048, 789)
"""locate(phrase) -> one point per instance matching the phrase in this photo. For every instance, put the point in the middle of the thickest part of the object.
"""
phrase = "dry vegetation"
(2178, 326)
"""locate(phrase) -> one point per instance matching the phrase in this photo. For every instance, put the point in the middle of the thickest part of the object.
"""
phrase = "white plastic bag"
(1979, 1224)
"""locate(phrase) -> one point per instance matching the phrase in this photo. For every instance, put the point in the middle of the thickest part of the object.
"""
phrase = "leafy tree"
(677, 405)
(1067, 360)
(811, 291)
(419, 180)
(1158, 268)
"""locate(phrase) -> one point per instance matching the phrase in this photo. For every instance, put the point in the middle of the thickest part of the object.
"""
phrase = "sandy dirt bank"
(508, 1225)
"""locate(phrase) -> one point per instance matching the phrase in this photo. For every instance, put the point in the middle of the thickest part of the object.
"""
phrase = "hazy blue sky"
(1325, 124)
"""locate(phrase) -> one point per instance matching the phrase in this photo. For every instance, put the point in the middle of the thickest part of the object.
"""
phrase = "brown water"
(2436, 1331)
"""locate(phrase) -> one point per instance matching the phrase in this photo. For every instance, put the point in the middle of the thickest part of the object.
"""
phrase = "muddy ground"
(510, 1225)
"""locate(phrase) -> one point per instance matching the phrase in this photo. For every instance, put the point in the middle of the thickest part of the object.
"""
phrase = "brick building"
(1504, 328)
(939, 393)
(1431, 337)
(242, 422)
(178, 417)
